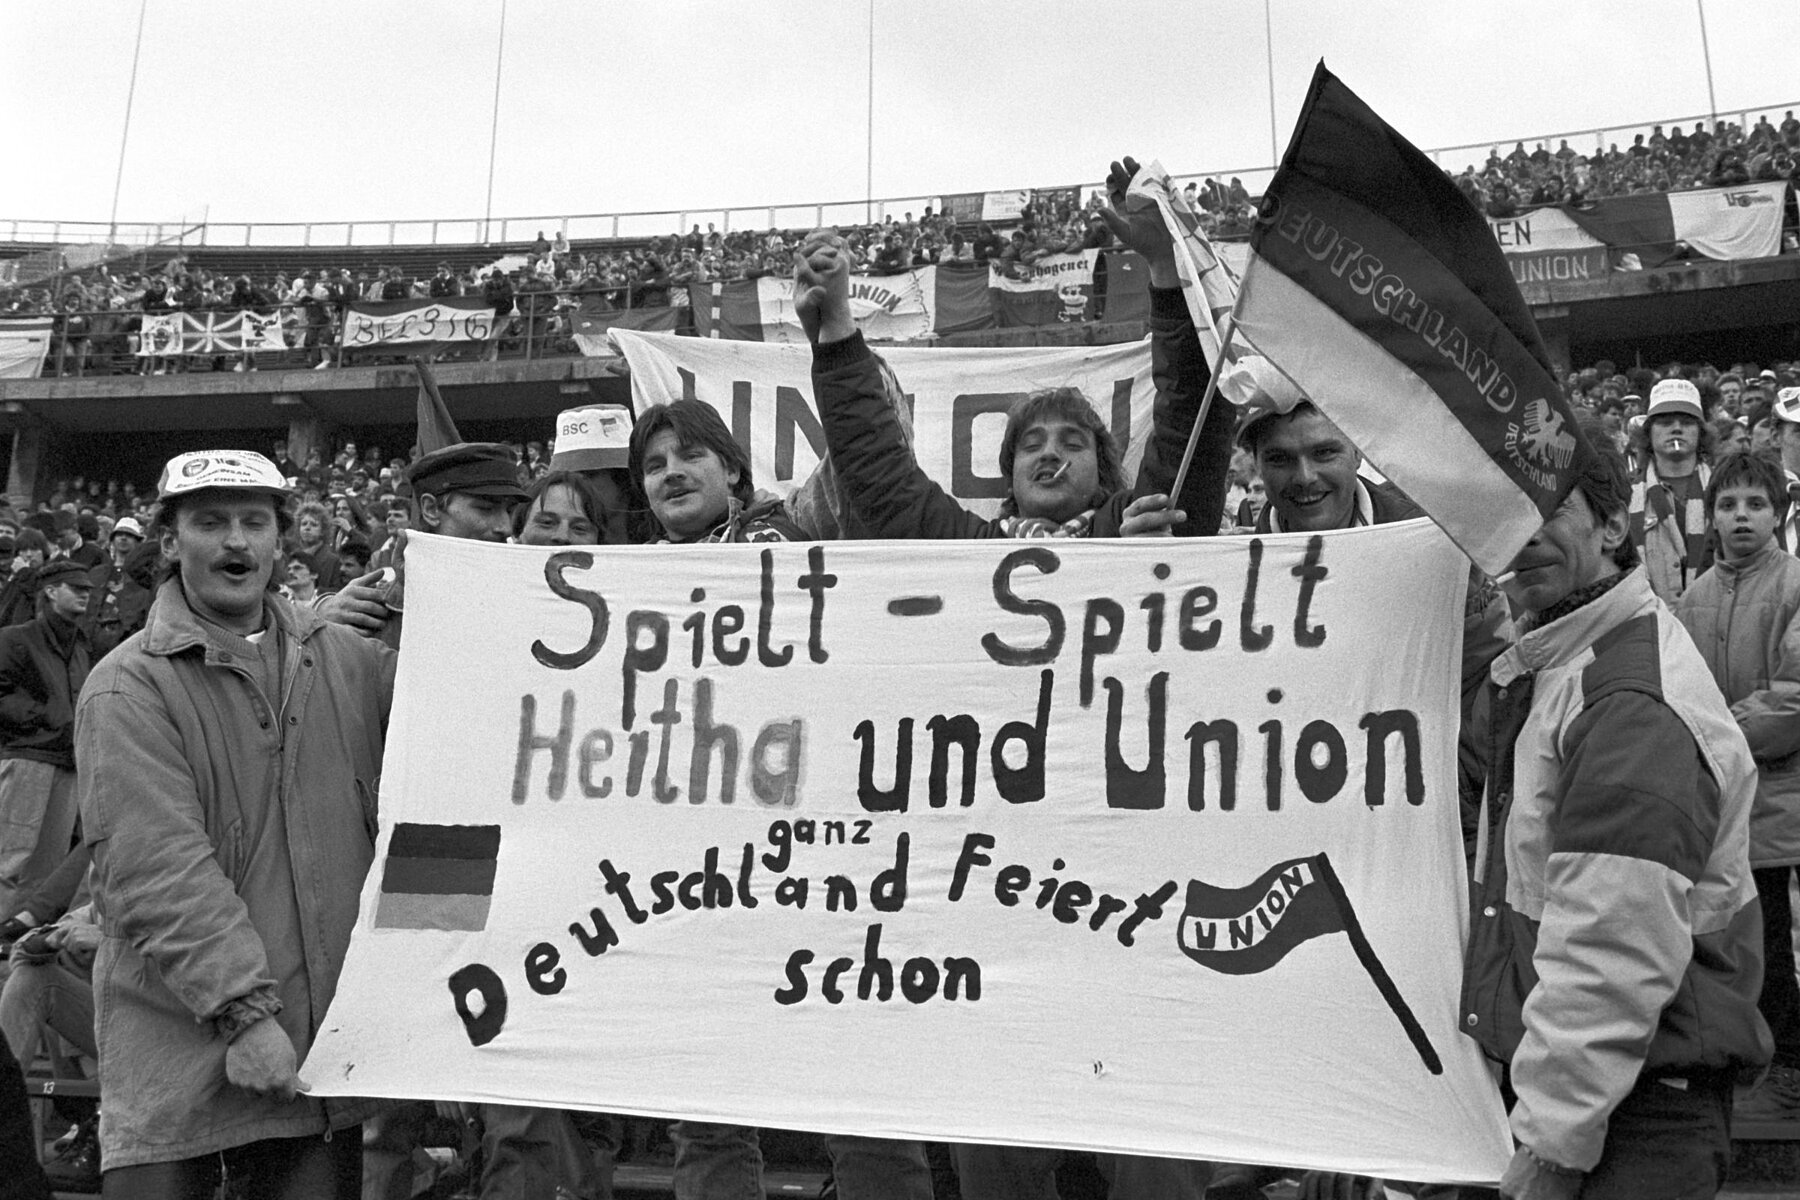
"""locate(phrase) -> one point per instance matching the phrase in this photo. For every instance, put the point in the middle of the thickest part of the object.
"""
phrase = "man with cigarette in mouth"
(1668, 518)
(1615, 948)
(1064, 479)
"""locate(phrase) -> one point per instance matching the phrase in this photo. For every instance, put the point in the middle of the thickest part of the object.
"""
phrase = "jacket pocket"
(1499, 975)
(229, 851)
(371, 813)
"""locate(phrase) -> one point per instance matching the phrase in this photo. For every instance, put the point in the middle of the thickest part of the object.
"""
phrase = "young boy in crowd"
(1744, 616)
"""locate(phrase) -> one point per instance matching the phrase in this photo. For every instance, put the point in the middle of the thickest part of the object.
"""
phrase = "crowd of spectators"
(1658, 162)
(353, 502)
(98, 312)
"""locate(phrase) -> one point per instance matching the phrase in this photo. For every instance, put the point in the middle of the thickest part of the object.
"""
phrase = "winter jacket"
(1616, 931)
(895, 499)
(230, 838)
(1745, 620)
(764, 519)
(43, 664)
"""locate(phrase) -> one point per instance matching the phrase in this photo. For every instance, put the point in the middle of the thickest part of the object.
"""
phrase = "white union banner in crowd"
(959, 397)
(1135, 846)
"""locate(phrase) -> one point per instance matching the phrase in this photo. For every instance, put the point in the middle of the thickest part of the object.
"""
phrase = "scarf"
(1043, 527)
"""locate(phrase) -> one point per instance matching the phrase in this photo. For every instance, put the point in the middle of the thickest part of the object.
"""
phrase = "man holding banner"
(1615, 957)
(1064, 481)
(698, 484)
(1614, 960)
(228, 757)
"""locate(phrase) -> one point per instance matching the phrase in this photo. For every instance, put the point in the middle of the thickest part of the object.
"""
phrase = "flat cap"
(478, 468)
(62, 570)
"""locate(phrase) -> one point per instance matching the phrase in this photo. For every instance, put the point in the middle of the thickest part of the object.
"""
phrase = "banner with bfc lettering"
(1120, 846)
(415, 323)
(959, 399)
(209, 332)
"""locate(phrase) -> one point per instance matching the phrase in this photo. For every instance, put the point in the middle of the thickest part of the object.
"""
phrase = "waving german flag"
(1379, 291)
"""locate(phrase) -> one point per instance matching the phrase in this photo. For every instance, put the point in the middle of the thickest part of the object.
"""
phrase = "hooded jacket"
(1745, 620)
(231, 833)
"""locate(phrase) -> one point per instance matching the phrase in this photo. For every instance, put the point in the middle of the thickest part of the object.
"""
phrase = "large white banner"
(959, 401)
(209, 332)
(24, 341)
(1539, 230)
(1730, 223)
(887, 308)
(409, 322)
(1125, 845)
(1053, 271)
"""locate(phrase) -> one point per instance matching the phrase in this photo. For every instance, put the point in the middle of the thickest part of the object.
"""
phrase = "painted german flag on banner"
(438, 877)
(1378, 289)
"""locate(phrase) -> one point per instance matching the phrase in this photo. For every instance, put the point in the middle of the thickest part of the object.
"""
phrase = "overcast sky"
(329, 110)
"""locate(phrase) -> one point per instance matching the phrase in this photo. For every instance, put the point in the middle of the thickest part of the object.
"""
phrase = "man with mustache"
(227, 759)
(1616, 950)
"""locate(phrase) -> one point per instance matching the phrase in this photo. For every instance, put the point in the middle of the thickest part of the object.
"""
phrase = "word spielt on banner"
(1116, 832)
(404, 322)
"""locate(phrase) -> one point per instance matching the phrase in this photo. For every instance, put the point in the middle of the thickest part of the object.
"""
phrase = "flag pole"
(1206, 401)
(1365, 954)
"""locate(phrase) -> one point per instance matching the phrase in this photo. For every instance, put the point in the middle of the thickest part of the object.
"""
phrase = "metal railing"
(660, 223)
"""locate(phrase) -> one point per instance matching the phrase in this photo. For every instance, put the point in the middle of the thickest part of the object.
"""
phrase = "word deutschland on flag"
(1380, 292)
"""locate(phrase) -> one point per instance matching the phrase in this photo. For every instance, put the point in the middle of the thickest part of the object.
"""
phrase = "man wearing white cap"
(1669, 523)
(104, 621)
(227, 755)
(1785, 416)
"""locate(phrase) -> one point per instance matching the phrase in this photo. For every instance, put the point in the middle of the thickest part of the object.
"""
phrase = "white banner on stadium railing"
(959, 396)
(403, 322)
(1046, 274)
(1730, 223)
(24, 341)
(1083, 844)
(1539, 230)
(887, 308)
(176, 333)
(1004, 206)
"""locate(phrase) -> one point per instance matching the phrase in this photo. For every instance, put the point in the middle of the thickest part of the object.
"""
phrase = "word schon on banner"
(1111, 845)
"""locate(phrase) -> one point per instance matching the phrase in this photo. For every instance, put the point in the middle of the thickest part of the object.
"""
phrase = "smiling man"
(1310, 470)
(227, 757)
(1616, 953)
(696, 479)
